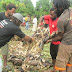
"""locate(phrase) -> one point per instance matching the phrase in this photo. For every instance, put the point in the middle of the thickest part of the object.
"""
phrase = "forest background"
(26, 7)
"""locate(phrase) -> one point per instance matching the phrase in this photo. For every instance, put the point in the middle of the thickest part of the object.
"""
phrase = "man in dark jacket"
(9, 28)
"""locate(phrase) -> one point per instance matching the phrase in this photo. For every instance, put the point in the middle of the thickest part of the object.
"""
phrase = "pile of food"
(27, 56)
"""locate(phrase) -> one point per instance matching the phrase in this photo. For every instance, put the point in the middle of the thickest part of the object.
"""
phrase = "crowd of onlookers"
(30, 22)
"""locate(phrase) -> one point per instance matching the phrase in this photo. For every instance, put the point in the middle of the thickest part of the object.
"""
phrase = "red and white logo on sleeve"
(53, 26)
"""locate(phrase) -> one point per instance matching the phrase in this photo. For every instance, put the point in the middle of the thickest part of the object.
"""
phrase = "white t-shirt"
(35, 21)
(23, 19)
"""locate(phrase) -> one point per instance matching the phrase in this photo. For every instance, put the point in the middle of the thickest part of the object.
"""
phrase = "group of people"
(9, 26)
(59, 21)
(26, 21)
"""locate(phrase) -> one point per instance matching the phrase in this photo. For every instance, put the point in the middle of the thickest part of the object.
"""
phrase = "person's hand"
(31, 40)
(39, 25)
(50, 40)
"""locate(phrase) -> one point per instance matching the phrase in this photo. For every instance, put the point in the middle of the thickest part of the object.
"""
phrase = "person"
(10, 10)
(44, 24)
(9, 28)
(64, 25)
(27, 22)
(34, 23)
(51, 20)
(23, 24)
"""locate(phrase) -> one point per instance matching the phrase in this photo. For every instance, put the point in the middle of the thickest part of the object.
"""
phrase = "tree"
(29, 7)
(70, 3)
(26, 7)
(21, 8)
(43, 7)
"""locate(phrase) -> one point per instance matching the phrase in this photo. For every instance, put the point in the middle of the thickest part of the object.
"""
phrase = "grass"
(27, 32)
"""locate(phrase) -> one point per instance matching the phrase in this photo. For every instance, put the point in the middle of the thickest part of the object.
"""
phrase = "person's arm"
(17, 31)
(40, 21)
(33, 21)
(46, 17)
(60, 32)
(24, 37)
(56, 37)
(27, 38)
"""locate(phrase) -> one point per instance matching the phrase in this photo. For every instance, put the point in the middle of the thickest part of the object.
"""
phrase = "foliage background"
(25, 7)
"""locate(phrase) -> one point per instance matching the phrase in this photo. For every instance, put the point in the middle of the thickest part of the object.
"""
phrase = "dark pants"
(53, 50)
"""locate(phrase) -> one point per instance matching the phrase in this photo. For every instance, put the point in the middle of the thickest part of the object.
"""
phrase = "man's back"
(7, 30)
(65, 25)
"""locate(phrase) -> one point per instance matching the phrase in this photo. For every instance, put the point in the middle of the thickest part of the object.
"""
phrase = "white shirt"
(23, 19)
(35, 21)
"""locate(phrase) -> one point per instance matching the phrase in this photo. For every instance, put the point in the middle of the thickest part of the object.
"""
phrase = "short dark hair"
(63, 4)
(10, 6)
(52, 9)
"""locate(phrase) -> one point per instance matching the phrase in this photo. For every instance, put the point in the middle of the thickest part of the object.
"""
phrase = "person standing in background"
(34, 23)
(51, 20)
(23, 20)
(27, 22)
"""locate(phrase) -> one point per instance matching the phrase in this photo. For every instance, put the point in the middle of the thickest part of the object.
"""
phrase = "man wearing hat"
(9, 28)
(10, 10)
